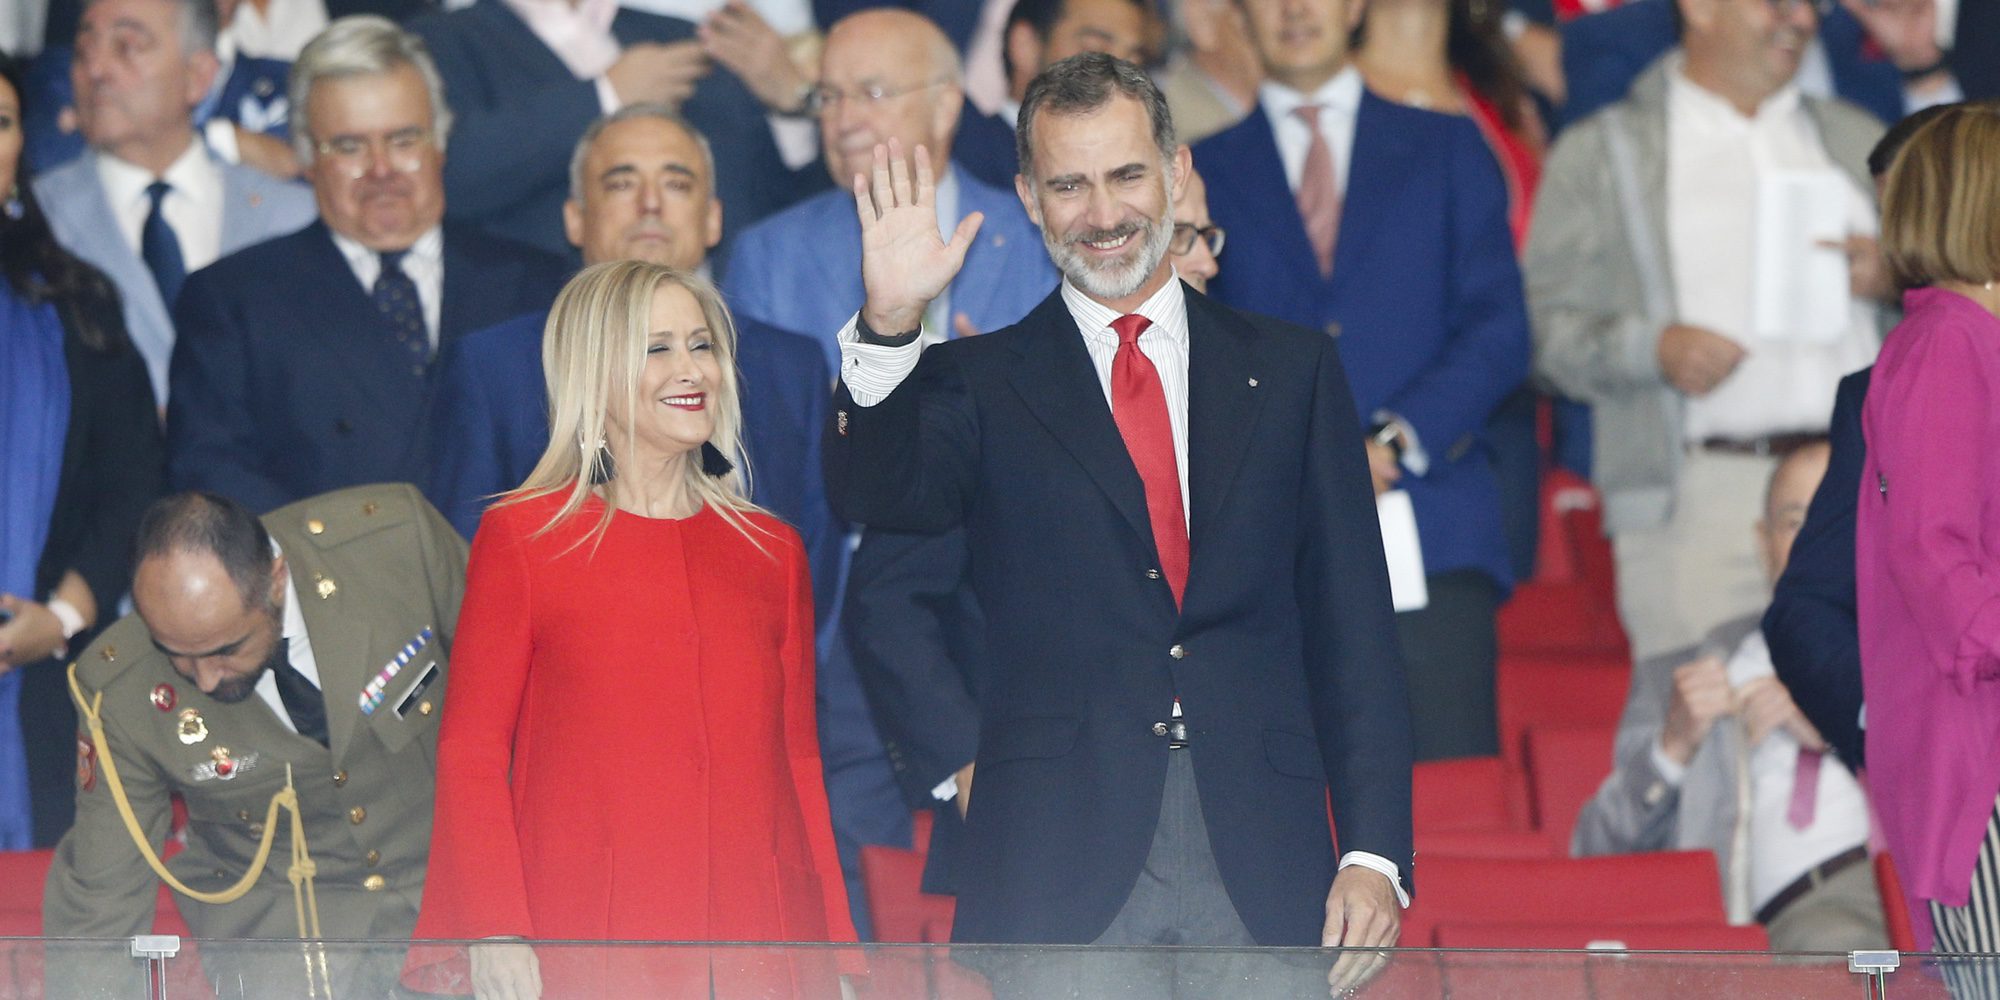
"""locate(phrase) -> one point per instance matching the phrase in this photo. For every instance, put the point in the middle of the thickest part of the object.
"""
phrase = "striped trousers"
(1974, 929)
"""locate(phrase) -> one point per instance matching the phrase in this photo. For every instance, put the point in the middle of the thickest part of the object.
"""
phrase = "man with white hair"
(305, 363)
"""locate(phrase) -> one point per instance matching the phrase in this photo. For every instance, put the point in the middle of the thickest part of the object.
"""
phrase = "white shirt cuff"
(1415, 458)
(1948, 92)
(1376, 862)
(607, 96)
(67, 614)
(1672, 772)
(946, 790)
(873, 371)
(220, 134)
(797, 139)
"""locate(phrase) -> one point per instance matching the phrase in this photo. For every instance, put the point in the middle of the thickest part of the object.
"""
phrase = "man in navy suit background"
(1385, 227)
(303, 364)
(1187, 603)
(1038, 33)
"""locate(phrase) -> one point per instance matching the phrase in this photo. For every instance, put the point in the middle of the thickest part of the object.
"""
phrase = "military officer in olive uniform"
(315, 640)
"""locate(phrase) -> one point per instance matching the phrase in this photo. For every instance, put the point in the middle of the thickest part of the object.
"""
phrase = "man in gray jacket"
(1712, 754)
(1699, 330)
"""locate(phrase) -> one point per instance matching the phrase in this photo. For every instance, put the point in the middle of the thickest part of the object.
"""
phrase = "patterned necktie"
(302, 700)
(396, 296)
(1139, 407)
(1805, 789)
(160, 247)
(1319, 194)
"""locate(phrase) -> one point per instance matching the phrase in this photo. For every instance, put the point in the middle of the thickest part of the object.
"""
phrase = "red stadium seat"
(22, 875)
(1615, 936)
(1566, 765)
(1537, 691)
(1469, 793)
(1895, 912)
(1669, 887)
(1521, 844)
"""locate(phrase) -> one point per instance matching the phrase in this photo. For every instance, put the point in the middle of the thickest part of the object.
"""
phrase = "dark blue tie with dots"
(160, 247)
(396, 296)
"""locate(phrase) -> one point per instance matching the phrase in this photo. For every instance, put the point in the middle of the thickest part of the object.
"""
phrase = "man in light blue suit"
(148, 204)
(886, 74)
(1385, 226)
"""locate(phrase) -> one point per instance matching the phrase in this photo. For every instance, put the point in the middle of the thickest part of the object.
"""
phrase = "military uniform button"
(257, 829)
(1159, 729)
(339, 778)
(374, 883)
(315, 526)
(424, 708)
(374, 858)
(243, 815)
(368, 509)
(1177, 652)
(1152, 574)
(356, 815)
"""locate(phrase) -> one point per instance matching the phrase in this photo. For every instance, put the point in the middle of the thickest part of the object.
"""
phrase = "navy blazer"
(1603, 53)
(1425, 301)
(489, 425)
(801, 269)
(287, 381)
(1811, 625)
(1284, 654)
(985, 147)
(252, 95)
(517, 113)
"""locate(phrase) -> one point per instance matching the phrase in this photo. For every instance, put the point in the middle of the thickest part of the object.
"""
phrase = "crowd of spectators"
(271, 254)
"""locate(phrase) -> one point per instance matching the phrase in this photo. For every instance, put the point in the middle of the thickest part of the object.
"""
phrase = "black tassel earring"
(713, 463)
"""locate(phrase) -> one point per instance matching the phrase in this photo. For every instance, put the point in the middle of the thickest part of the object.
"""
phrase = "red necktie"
(1139, 406)
(1319, 195)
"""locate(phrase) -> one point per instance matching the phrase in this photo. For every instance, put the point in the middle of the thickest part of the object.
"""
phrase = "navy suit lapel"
(1059, 386)
(457, 292)
(1265, 171)
(1223, 404)
(1376, 169)
(532, 60)
(348, 305)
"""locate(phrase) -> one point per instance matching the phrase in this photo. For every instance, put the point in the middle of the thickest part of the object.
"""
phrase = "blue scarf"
(34, 418)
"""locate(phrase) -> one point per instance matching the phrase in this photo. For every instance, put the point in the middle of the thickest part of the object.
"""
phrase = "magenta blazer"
(1927, 575)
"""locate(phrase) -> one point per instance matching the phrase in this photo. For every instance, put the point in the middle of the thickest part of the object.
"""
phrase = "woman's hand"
(506, 969)
(32, 633)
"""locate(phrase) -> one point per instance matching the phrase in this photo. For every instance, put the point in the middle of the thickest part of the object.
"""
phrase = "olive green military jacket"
(379, 576)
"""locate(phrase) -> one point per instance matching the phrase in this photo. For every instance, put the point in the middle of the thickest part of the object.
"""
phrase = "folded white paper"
(1403, 550)
(1800, 264)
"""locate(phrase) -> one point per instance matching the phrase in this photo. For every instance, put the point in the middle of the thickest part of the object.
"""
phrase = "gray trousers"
(1177, 935)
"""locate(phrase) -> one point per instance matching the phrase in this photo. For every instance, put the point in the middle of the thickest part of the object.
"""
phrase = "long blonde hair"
(593, 351)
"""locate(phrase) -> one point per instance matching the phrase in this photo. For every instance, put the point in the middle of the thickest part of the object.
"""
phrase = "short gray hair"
(199, 24)
(362, 45)
(1083, 84)
(633, 112)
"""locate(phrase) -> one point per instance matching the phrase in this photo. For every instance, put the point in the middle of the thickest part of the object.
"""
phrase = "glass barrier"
(78, 969)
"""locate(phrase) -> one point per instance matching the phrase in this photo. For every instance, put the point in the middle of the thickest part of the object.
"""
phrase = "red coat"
(628, 749)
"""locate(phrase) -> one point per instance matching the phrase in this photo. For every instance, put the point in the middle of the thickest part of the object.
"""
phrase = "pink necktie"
(1319, 194)
(1139, 407)
(1805, 789)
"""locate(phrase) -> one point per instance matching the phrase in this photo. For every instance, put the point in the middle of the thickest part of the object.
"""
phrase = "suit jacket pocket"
(1293, 754)
(1028, 737)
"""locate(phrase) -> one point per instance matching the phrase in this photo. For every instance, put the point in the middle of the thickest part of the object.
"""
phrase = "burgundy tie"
(1805, 789)
(1139, 406)
(1319, 195)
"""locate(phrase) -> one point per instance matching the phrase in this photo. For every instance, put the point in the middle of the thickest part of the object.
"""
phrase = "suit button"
(1177, 652)
(1159, 729)
(374, 858)
(374, 883)
(356, 815)
(342, 426)
(339, 778)
(315, 526)
(1152, 574)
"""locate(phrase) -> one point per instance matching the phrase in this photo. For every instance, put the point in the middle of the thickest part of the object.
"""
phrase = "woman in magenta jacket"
(1928, 537)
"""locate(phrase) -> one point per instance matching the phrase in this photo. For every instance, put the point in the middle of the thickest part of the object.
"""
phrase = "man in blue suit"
(1385, 227)
(148, 203)
(1174, 543)
(521, 104)
(304, 363)
(885, 74)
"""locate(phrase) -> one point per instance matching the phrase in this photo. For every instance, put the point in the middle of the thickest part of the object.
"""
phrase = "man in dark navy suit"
(1385, 227)
(303, 364)
(1173, 541)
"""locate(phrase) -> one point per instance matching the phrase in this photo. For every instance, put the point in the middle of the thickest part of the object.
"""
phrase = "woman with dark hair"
(81, 458)
(1452, 56)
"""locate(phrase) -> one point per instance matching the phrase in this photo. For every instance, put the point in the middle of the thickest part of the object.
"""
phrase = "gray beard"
(1115, 281)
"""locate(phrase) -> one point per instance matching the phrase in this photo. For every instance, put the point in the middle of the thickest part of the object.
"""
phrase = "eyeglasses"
(1185, 233)
(404, 149)
(823, 98)
(1786, 8)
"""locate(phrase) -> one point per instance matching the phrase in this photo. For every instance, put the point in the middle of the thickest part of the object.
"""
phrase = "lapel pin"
(256, 201)
(325, 587)
(109, 653)
(1253, 383)
(224, 765)
(193, 728)
(164, 697)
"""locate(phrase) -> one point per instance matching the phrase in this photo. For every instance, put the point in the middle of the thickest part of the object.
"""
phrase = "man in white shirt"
(1712, 754)
(1702, 270)
(304, 363)
(148, 204)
